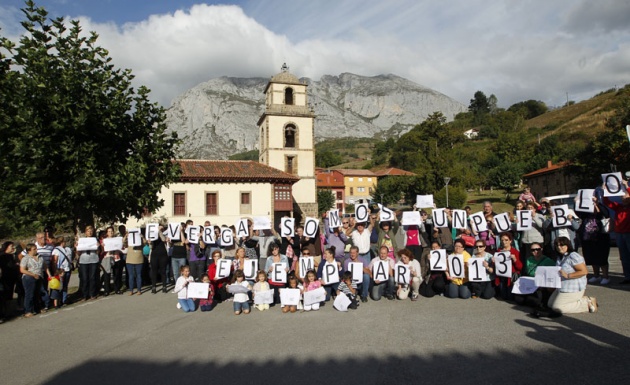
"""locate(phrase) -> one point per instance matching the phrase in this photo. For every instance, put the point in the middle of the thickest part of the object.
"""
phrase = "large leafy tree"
(79, 141)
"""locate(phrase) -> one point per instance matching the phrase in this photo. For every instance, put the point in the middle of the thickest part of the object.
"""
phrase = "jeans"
(134, 272)
(365, 285)
(623, 243)
(241, 306)
(176, 263)
(198, 269)
(457, 291)
(30, 286)
(89, 279)
(332, 288)
(64, 287)
(188, 304)
(384, 287)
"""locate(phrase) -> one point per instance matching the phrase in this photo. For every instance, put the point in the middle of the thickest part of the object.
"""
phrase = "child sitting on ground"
(293, 284)
(208, 303)
(181, 288)
(241, 300)
(261, 285)
(349, 288)
(311, 283)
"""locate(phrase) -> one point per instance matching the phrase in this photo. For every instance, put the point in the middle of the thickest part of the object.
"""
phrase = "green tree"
(529, 109)
(480, 107)
(506, 176)
(79, 141)
(457, 197)
(327, 158)
(325, 201)
(609, 148)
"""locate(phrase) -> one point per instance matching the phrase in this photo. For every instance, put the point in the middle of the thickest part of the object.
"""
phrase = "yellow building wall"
(355, 182)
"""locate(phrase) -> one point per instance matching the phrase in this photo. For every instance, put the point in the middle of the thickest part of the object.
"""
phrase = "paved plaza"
(146, 340)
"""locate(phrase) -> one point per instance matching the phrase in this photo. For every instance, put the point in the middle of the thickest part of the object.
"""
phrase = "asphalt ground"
(144, 339)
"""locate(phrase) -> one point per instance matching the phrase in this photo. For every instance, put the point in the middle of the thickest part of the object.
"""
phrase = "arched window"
(288, 96)
(289, 136)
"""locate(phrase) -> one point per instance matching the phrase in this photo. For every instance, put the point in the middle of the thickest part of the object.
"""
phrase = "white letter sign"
(278, 273)
(207, 235)
(503, 264)
(524, 220)
(262, 223)
(333, 219)
(411, 218)
(612, 182)
(134, 238)
(223, 268)
(386, 214)
(330, 273)
(250, 269)
(502, 222)
(438, 260)
(476, 270)
(193, 234)
(380, 271)
(287, 227)
(459, 219)
(242, 228)
(456, 266)
(306, 264)
(151, 232)
(227, 237)
(584, 201)
(112, 244)
(559, 216)
(478, 222)
(174, 231)
(361, 212)
(356, 268)
(310, 227)
(439, 218)
(402, 274)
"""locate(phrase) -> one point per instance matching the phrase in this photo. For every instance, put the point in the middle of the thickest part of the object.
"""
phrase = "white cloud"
(516, 50)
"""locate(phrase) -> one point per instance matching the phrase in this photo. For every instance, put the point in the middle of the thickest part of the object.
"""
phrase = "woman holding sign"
(483, 289)
(570, 297)
(434, 281)
(158, 259)
(329, 271)
(89, 265)
(504, 284)
(406, 258)
(622, 228)
(277, 267)
(457, 272)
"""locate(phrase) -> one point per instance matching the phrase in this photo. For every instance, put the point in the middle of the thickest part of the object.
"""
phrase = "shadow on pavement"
(578, 352)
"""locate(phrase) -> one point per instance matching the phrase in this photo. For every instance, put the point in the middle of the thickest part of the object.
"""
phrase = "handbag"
(469, 240)
(146, 250)
(54, 283)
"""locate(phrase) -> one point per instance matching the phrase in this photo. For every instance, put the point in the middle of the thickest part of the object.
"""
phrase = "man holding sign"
(562, 222)
(382, 271)
(360, 272)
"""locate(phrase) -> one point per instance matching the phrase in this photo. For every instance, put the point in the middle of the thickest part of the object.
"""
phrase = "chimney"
(548, 164)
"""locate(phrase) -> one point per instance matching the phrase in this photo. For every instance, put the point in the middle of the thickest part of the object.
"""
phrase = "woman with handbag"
(595, 243)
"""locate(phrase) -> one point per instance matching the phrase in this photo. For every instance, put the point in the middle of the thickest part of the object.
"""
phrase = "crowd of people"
(40, 272)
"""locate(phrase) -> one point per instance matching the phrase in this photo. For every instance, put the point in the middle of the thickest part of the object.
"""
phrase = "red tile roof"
(393, 171)
(355, 172)
(550, 168)
(196, 170)
(329, 178)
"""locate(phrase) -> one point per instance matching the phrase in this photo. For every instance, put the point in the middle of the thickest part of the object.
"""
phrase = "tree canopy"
(79, 141)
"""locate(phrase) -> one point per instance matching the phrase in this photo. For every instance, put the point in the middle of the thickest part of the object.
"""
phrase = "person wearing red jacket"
(504, 284)
(218, 285)
(622, 228)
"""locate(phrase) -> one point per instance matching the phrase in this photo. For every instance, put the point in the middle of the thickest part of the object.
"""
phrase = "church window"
(289, 136)
(288, 96)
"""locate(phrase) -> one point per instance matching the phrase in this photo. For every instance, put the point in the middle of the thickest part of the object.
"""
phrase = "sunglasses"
(345, 223)
(536, 249)
(306, 253)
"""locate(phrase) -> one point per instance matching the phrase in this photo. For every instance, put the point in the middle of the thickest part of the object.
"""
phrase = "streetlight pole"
(446, 180)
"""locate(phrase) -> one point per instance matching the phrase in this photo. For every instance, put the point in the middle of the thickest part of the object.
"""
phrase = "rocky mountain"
(218, 118)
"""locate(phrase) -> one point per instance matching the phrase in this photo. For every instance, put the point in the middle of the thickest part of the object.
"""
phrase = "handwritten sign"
(112, 244)
(342, 302)
(424, 201)
(314, 296)
(411, 218)
(548, 276)
(290, 297)
(263, 297)
(198, 290)
(262, 223)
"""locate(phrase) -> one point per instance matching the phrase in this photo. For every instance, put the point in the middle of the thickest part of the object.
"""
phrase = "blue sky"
(517, 50)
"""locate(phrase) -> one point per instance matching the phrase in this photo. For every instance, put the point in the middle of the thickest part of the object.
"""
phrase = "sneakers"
(179, 306)
(592, 304)
(595, 279)
(604, 281)
(389, 297)
(363, 299)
